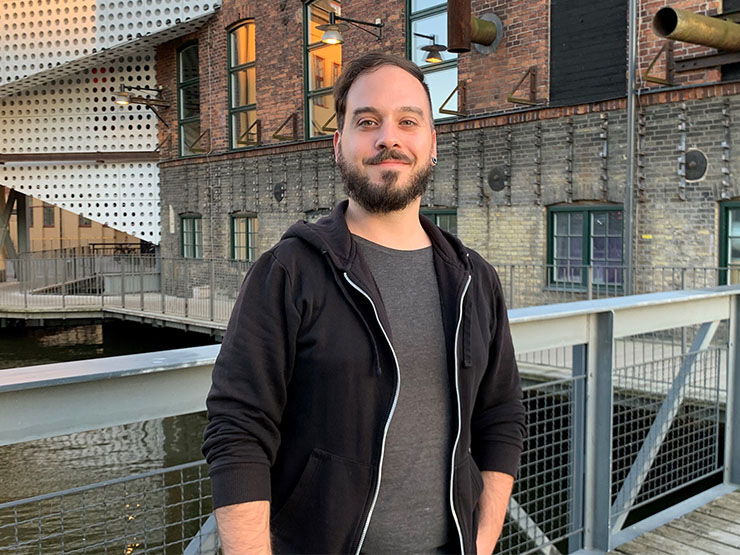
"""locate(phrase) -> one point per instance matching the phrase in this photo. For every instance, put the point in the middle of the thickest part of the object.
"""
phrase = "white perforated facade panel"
(61, 63)
(37, 35)
(77, 114)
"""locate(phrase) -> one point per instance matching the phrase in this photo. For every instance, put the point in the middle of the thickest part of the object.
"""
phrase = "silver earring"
(434, 160)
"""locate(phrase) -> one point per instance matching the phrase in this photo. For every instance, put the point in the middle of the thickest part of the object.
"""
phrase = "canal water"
(73, 460)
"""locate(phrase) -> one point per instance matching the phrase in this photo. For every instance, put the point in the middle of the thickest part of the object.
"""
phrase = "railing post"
(26, 275)
(577, 448)
(141, 283)
(598, 443)
(732, 425)
(161, 286)
(123, 283)
(64, 282)
(212, 292)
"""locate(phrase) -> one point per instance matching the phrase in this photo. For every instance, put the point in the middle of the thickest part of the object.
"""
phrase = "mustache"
(388, 155)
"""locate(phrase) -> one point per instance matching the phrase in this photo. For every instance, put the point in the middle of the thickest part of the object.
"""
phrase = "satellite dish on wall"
(497, 178)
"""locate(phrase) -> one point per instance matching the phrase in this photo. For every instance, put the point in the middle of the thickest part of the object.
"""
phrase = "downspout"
(631, 124)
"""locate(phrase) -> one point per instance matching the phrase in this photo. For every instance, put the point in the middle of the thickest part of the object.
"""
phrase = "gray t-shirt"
(412, 512)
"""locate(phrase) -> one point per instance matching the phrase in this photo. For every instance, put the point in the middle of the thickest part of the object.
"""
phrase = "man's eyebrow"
(370, 110)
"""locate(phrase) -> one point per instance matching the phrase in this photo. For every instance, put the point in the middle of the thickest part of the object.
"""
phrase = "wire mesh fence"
(155, 512)
(669, 393)
(542, 513)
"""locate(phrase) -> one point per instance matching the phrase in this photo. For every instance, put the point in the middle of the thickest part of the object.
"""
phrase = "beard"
(383, 197)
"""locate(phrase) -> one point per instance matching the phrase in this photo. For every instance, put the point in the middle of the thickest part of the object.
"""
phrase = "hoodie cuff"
(240, 483)
(498, 457)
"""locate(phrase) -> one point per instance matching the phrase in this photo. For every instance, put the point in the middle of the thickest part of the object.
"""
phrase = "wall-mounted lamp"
(333, 30)
(433, 50)
(124, 98)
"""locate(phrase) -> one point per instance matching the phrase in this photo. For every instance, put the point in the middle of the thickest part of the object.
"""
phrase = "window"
(192, 236)
(48, 215)
(188, 101)
(429, 17)
(243, 237)
(579, 237)
(84, 222)
(729, 251)
(242, 87)
(446, 219)
(323, 64)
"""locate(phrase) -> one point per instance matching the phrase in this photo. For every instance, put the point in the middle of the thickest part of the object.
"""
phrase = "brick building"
(532, 134)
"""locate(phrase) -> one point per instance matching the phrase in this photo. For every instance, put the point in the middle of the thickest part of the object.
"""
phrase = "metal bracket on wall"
(200, 141)
(256, 142)
(167, 140)
(670, 66)
(460, 89)
(326, 127)
(532, 100)
(292, 119)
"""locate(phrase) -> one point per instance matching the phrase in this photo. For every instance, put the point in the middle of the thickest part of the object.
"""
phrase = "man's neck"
(399, 230)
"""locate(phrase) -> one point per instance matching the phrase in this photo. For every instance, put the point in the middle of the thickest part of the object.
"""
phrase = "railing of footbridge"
(642, 413)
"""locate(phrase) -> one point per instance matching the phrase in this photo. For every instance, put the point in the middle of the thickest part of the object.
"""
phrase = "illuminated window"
(323, 63)
(242, 87)
(429, 17)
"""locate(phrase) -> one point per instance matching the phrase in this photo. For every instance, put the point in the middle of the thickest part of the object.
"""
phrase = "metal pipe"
(631, 126)
(458, 26)
(463, 28)
(686, 26)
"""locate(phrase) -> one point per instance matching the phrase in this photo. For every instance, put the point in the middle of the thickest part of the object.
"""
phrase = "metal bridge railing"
(205, 289)
(643, 408)
(154, 512)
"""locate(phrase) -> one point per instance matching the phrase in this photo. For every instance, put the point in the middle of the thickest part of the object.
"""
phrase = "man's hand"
(244, 528)
(492, 509)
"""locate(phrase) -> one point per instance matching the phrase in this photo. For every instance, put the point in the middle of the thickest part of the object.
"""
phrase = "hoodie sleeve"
(250, 378)
(498, 422)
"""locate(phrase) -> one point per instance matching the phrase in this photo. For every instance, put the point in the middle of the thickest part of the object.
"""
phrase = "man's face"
(385, 148)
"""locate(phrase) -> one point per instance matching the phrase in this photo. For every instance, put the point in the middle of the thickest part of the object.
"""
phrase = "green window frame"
(583, 236)
(191, 228)
(429, 17)
(729, 243)
(188, 101)
(443, 218)
(322, 64)
(243, 230)
(244, 127)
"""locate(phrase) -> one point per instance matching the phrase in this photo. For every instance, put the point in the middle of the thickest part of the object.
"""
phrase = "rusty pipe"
(463, 28)
(686, 26)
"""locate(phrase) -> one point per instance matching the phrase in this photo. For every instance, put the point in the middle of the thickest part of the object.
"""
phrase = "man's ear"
(337, 138)
(434, 143)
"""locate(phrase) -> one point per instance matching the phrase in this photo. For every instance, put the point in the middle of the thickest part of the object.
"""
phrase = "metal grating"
(540, 514)
(154, 512)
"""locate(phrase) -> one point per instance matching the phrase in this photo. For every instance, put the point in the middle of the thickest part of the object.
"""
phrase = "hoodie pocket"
(323, 513)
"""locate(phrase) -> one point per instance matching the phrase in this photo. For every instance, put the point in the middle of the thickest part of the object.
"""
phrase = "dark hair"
(367, 63)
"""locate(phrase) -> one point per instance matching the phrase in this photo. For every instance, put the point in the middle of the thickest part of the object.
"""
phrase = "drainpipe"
(631, 122)
(463, 29)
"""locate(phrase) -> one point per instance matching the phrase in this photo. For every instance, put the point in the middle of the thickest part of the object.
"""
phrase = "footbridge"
(636, 429)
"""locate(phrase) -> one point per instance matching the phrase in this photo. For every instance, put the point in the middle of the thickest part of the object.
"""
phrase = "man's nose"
(387, 136)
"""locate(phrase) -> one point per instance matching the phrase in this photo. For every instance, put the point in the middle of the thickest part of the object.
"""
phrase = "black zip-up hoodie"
(305, 381)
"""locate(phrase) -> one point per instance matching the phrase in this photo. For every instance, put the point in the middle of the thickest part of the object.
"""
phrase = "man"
(366, 397)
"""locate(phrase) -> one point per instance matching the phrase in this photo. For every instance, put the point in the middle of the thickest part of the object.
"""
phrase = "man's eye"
(408, 122)
(365, 123)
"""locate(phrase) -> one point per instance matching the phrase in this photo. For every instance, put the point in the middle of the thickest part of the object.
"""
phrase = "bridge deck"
(713, 528)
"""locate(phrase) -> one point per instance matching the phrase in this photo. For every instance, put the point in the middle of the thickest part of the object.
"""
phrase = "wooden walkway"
(712, 529)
